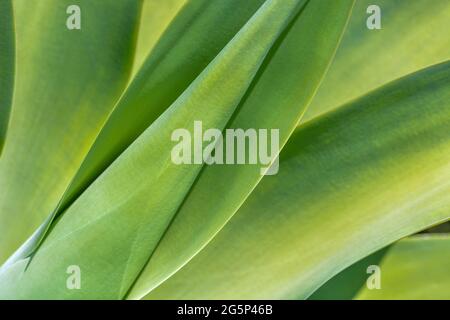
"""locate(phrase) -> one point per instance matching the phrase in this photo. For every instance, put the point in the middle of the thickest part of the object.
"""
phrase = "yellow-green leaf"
(350, 182)
(414, 35)
(123, 214)
(415, 268)
(277, 99)
(6, 66)
(66, 83)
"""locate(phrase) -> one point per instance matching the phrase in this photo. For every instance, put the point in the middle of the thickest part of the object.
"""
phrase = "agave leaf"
(66, 83)
(6, 66)
(440, 228)
(181, 54)
(290, 66)
(129, 206)
(414, 268)
(350, 182)
(179, 57)
(414, 35)
(155, 17)
(346, 284)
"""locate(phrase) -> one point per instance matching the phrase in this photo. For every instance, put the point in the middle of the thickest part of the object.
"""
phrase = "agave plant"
(88, 188)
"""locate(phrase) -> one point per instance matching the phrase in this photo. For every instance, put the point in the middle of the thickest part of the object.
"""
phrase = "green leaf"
(346, 284)
(414, 268)
(414, 35)
(156, 16)
(123, 214)
(7, 54)
(178, 58)
(66, 83)
(277, 99)
(350, 182)
(176, 61)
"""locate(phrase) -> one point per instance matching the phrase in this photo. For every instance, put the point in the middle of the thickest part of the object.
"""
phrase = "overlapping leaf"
(179, 57)
(415, 268)
(110, 230)
(414, 35)
(277, 99)
(66, 83)
(401, 267)
(155, 18)
(351, 182)
(346, 284)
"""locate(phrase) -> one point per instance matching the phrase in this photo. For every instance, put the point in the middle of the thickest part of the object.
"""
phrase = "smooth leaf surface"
(66, 83)
(7, 54)
(112, 227)
(346, 284)
(177, 60)
(180, 55)
(276, 100)
(415, 268)
(350, 182)
(414, 35)
(156, 16)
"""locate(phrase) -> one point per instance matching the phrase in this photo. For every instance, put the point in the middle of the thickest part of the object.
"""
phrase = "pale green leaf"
(277, 99)
(415, 268)
(350, 182)
(112, 227)
(346, 284)
(6, 66)
(66, 83)
(182, 53)
(414, 35)
(156, 16)
(178, 58)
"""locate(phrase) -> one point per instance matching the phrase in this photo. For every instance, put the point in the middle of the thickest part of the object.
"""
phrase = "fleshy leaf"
(350, 182)
(7, 54)
(413, 36)
(276, 100)
(66, 83)
(346, 284)
(415, 268)
(123, 214)
(156, 16)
